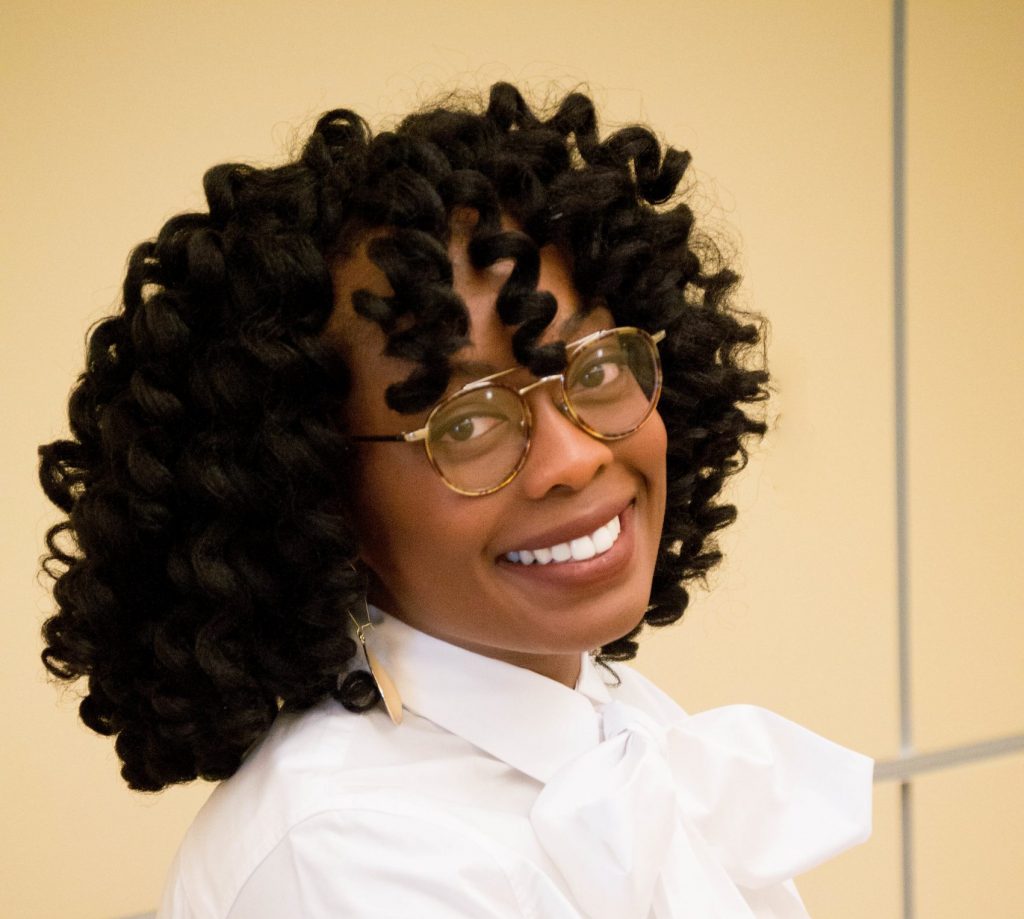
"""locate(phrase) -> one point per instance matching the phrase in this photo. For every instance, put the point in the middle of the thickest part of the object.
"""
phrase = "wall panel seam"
(899, 20)
(902, 768)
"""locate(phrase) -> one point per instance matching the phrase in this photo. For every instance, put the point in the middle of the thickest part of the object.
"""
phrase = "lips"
(578, 550)
(600, 572)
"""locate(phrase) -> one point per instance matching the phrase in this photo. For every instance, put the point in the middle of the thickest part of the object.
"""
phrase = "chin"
(592, 628)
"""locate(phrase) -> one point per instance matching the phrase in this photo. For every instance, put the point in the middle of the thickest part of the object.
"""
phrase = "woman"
(429, 416)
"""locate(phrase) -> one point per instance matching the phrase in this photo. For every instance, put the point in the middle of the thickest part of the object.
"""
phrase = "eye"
(599, 373)
(476, 422)
(468, 427)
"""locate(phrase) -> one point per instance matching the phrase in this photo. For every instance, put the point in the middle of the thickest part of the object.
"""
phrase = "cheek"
(386, 500)
(649, 459)
(651, 450)
(409, 521)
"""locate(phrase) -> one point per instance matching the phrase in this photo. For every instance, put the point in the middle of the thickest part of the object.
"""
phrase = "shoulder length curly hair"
(202, 574)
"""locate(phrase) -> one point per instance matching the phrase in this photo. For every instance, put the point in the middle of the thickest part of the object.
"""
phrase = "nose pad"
(561, 454)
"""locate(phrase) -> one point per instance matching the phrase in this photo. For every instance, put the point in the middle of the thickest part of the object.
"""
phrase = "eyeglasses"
(478, 438)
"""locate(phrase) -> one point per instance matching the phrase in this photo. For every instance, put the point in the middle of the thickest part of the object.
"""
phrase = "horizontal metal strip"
(898, 770)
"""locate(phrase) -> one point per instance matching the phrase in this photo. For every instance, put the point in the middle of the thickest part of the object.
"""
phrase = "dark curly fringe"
(204, 574)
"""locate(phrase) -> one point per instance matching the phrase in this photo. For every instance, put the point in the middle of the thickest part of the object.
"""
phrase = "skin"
(435, 557)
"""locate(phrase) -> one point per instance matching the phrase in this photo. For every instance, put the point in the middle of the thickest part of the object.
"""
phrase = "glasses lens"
(613, 384)
(477, 440)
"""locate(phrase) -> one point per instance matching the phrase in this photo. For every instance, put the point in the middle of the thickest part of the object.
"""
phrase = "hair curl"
(202, 574)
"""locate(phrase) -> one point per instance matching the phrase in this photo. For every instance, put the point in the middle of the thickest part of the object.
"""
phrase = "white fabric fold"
(702, 816)
(506, 794)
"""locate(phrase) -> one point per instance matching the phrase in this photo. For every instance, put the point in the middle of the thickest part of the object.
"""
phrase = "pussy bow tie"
(703, 819)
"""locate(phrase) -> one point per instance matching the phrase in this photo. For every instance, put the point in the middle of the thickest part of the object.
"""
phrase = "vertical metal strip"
(900, 418)
(906, 826)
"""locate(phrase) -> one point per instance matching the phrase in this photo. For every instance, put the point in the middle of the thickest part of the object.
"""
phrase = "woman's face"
(438, 559)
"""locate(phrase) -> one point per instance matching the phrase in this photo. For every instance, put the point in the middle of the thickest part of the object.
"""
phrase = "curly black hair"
(204, 572)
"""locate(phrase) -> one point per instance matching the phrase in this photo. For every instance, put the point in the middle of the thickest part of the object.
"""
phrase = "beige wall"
(112, 111)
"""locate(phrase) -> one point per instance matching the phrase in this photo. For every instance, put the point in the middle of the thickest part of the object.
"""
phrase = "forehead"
(362, 342)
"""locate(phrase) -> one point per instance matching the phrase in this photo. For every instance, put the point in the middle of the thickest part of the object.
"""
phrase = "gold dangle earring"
(385, 686)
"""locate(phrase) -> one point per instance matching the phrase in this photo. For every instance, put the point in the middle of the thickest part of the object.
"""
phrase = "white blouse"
(506, 794)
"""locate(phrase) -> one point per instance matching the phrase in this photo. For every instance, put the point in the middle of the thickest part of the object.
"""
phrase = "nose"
(563, 457)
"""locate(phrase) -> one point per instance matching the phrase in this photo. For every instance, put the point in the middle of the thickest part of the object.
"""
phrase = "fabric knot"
(618, 718)
(587, 817)
(705, 817)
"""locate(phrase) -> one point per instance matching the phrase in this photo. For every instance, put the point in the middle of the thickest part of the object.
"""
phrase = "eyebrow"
(474, 370)
(572, 325)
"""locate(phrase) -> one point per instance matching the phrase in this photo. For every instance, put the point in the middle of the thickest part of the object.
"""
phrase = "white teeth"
(582, 548)
(579, 550)
(604, 539)
(561, 552)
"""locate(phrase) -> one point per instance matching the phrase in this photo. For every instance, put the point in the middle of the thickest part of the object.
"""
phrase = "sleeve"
(366, 864)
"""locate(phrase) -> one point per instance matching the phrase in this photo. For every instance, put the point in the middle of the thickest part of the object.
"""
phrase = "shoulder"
(377, 858)
(383, 859)
(247, 815)
(367, 860)
(308, 764)
(334, 809)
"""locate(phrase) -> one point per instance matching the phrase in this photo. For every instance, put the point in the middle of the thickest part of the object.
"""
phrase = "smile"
(576, 550)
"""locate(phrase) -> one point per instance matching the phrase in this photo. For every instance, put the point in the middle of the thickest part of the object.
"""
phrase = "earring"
(385, 686)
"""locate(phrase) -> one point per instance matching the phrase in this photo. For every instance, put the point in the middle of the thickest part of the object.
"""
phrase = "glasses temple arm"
(405, 436)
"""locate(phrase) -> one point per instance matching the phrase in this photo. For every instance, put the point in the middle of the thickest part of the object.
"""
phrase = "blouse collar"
(490, 703)
(705, 816)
